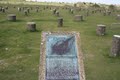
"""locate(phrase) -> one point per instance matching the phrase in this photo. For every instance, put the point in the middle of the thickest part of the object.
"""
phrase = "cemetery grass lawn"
(20, 49)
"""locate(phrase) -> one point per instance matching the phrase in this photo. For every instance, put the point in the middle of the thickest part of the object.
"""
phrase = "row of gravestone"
(101, 30)
(26, 10)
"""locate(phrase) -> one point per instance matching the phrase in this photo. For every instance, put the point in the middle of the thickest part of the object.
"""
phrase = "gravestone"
(78, 18)
(14, 7)
(101, 30)
(12, 17)
(118, 17)
(57, 13)
(54, 11)
(19, 9)
(31, 8)
(104, 13)
(93, 12)
(0, 8)
(115, 50)
(87, 14)
(60, 22)
(28, 10)
(71, 11)
(37, 10)
(25, 13)
(109, 13)
(3, 10)
(31, 26)
(6, 7)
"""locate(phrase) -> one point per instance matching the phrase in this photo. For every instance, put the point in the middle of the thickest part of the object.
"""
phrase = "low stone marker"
(115, 50)
(109, 13)
(118, 17)
(0, 8)
(6, 7)
(101, 30)
(104, 13)
(93, 12)
(12, 17)
(60, 22)
(78, 18)
(57, 13)
(37, 10)
(25, 13)
(31, 26)
(19, 9)
(3, 10)
(54, 11)
(87, 13)
(28, 10)
(72, 11)
(14, 7)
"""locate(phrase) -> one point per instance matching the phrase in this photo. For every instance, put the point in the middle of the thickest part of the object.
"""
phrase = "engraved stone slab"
(62, 69)
(63, 45)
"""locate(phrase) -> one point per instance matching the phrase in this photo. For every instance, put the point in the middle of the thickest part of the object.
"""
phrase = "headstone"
(87, 14)
(78, 18)
(0, 8)
(37, 10)
(19, 9)
(31, 8)
(31, 26)
(28, 10)
(44, 8)
(54, 11)
(104, 13)
(3, 10)
(109, 13)
(115, 50)
(71, 11)
(6, 7)
(93, 12)
(60, 22)
(101, 30)
(118, 17)
(25, 13)
(57, 13)
(12, 17)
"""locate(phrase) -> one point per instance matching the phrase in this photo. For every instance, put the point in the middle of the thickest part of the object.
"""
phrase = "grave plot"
(60, 57)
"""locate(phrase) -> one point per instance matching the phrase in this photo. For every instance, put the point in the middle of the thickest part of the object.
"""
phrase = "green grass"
(20, 49)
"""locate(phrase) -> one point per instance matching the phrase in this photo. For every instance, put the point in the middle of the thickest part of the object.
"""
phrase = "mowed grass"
(20, 49)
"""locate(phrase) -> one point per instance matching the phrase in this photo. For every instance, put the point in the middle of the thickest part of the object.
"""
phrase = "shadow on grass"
(6, 21)
(27, 31)
(112, 58)
(63, 26)
(79, 21)
(45, 20)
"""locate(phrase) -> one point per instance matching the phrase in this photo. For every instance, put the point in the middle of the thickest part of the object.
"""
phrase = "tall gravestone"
(54, 11)
(101, 30)
(28, 10)
(19, 9)
(60, 22)
(57, 13)
(31, 26)
(25, 13)
(3, 10)
(115, 50)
